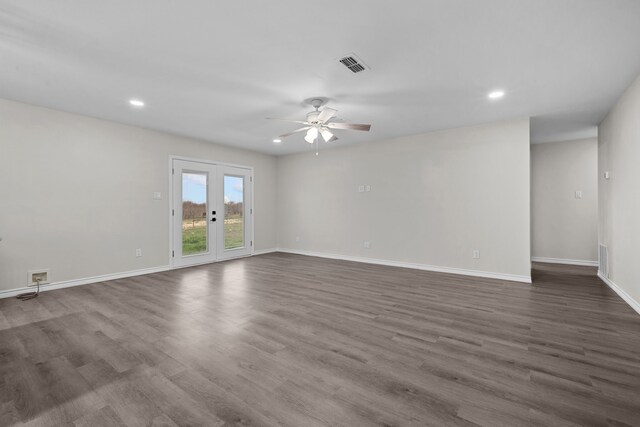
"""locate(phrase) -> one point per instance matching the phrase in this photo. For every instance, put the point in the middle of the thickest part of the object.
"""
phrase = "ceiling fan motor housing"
(312, 117)
(316, 102)
(318, 123)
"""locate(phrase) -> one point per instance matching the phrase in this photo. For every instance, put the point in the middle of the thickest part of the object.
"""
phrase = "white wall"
(619, 201)
(563, 227)
(435, 198)
(76, 194)
(76, 197)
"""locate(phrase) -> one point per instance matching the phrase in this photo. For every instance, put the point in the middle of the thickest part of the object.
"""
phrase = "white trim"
(171, 208)
(603, 259)
(265, 251)
(251, 170)
(452, 270)
(621, 293)
(253, 218)
(565, 261)
(212, 203)
(240, 172)
(211, 162)
(84, 281)
(106, 277)
(197, 264)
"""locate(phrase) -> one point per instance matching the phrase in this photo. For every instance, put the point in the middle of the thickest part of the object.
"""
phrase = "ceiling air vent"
(353, 63)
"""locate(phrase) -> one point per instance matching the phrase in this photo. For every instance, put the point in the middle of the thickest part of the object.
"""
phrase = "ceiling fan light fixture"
(326, 135)
(311, 136)
(318, 122)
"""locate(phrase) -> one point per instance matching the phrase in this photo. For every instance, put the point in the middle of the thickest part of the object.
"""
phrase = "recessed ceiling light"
(277, 140)
(136, 103)
(496, 94)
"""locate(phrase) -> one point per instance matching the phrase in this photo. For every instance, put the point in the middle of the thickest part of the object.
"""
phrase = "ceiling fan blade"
(349, 126)
(326, 114)
(284, 135)
(287, 120)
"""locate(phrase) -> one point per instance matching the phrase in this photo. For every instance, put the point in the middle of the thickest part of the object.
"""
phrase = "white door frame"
(247, 179)
(171, 203)
(211, 202)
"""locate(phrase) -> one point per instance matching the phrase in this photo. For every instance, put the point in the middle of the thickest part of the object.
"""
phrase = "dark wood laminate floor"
(291, 340)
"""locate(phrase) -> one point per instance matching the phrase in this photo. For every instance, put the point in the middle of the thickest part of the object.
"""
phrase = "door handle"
(213, 212)
(213, 220)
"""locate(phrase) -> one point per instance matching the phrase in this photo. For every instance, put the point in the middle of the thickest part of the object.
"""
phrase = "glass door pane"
(234, 205)
(194, 201)
(194, 213)
(235, 228)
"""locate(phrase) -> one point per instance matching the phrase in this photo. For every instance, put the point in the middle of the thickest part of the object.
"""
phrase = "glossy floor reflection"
(290, 340)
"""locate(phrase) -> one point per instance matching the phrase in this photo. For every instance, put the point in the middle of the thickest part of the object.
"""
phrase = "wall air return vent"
(603, 260)
(353, 63)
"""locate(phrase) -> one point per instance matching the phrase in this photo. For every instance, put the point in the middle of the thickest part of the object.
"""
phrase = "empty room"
(285, 213)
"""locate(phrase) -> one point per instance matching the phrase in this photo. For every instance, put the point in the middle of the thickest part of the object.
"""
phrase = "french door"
(211, 213)
(236, 212)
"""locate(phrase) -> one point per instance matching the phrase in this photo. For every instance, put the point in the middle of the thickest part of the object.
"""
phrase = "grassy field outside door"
(194, 234)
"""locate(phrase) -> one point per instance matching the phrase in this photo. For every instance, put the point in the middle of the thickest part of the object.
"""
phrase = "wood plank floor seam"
(290, 340)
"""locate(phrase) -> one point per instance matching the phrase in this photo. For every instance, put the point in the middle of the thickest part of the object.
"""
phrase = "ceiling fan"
(319, 123)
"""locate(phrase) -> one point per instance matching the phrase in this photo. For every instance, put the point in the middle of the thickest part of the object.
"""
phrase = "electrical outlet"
(138, 252)
(367, 188)
(476, 254)
(35, 276)
(578, 194)
(360, 188)
(367, 244)
(157, 195)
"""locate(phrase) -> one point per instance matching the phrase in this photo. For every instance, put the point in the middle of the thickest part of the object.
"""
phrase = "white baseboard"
(565, 261)
(83, 281)
(101, 278)
(476, 273)
(617, 289)
(265, 251)
(124, 275)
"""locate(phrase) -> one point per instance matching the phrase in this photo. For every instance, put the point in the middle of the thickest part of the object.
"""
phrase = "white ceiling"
(215, 69)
